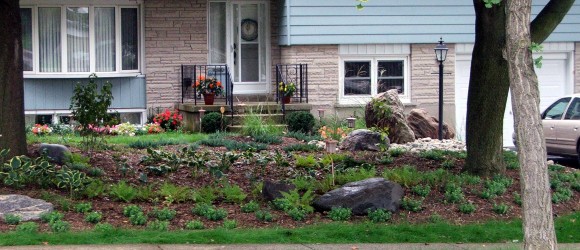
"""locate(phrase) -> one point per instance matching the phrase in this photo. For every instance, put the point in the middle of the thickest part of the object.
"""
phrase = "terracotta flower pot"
(208, 99)
(287, 99)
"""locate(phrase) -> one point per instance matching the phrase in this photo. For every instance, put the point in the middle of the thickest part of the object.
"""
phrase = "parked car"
(561, 122)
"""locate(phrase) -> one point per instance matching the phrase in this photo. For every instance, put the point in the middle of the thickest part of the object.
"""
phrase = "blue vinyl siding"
(55, 94)
(393, 21)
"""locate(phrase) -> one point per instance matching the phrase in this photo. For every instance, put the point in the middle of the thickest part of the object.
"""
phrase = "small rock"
(25, 207)
(363, 139)
(360, 196)
(319, 144)
(272, 191)
(55, 152)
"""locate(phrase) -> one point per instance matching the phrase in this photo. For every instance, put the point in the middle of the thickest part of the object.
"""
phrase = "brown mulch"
(244, 175)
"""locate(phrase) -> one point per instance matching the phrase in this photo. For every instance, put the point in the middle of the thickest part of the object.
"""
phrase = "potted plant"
(332, 136)
(286, 91)
(209, 87)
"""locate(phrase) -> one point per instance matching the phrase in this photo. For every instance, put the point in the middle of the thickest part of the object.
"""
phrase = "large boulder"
(363, 139)
(387, 111)
(55, 152)
(360, 196)
(23, 206)
(272, 190)
(424, 125)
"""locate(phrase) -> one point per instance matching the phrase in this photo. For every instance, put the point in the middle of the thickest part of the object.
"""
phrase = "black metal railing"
(189, 74)
(296, 74)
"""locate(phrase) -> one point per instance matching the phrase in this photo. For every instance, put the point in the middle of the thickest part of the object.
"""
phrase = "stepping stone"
(25, 207)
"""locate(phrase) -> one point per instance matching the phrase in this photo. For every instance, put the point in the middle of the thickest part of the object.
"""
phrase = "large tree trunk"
(12, 134)
(488, 84)
(488, 89)
(536, 198)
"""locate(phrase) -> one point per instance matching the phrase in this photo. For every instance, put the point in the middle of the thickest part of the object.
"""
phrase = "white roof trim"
(374, 49)
(467, 48)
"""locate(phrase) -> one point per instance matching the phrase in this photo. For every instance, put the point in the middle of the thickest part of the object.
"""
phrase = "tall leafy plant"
(89, 108)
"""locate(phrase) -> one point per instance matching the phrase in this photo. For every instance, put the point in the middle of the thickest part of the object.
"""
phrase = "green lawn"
(74, 140)
(490, 232)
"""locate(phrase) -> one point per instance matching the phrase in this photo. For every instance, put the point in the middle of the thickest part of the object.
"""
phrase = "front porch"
(236, 105)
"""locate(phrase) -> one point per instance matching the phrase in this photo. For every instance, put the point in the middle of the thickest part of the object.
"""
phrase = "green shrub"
(96, 172)
(306, 161)
(562, 194)
(340, 214)
(130, 210)
(268, 139)
(453, 193)
(396, 152)
(138, 219)
(27, 227)
(89, 108)
(213, 122)
(354, 174)
(433, 154)
(386, 159)
(51, 217)
(448, 164)
(83, 207)
(518, 199)
(142, 144)
(94, 217)
(59, 226)
(233, 193)
(164, 214)
(297, 214)
(201, 209)
(406, 175)
(294, 199)
(194, 225)
(103, 227)
(230, 224)
(302, 148)
(209, 212)
(216, 214)
(511, 160)
(205, 194)
(303, 137)
(123, 192)
(467, 208)
(12, 219)
(422, 190)
(175, 193)
(94, 189)
(500, 208)
(412, 204)
(250, 207)
(300, 121)
(158, 225)
(264, 215)
(379, 215)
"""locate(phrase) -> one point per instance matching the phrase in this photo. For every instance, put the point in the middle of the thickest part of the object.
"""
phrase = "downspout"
(288, 3)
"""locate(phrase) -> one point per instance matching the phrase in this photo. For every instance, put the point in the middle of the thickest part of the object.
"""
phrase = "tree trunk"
(12, 134)
(489, 82)
(488, 89)
(536, 198)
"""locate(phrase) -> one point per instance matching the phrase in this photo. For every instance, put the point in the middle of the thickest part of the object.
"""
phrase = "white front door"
(239, 36)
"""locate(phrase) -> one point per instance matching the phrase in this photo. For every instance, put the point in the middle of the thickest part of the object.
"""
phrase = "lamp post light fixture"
(351, 121)
(441, 54)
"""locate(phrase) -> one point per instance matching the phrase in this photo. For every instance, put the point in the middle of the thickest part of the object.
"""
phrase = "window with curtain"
(73, 39)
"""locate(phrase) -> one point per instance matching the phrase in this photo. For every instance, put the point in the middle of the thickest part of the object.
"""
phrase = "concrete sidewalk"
(434, 246)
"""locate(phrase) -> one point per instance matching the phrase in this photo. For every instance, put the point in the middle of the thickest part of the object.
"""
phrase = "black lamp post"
(441, 54)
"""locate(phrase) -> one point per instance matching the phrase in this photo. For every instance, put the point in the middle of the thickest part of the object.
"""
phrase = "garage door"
(554, 77)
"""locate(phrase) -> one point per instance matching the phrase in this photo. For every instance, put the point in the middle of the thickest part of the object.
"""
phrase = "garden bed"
(277, 162)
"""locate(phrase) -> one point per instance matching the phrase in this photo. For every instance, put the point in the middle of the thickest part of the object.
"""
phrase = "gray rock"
(25, 207)
(56, 152)
(360, 196)
(389, 114)
(424, 125)
(363, 139)
(272, 191)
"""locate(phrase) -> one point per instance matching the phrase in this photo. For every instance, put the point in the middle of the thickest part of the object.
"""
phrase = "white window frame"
(119, 72)
(374, 60)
